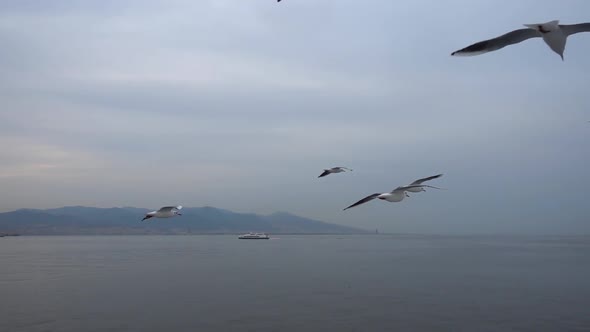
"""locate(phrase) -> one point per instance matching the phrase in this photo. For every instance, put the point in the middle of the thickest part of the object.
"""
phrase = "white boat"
(254, 236)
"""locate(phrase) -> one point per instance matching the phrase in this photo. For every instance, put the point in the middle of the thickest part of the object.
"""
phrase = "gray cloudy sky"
(240, 104)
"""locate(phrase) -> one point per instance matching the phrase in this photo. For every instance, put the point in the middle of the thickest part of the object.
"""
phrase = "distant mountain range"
(81, 220)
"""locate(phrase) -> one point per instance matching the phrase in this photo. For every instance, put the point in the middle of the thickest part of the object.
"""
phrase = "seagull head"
(544, 27)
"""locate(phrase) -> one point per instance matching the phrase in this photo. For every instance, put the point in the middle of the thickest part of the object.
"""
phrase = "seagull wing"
(570, 29)
(427, 186)
(404, 188)
(419, 181)
(364, 200)
(326, 172)
(168, 208)
(513, 37)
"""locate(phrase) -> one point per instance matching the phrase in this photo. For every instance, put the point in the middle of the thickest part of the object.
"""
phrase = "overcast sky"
(240, 104)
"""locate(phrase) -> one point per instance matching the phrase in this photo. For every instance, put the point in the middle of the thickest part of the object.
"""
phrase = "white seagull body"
(165, 212)
(396, 195)
(553, 33)
(420, 181)
(334, 170)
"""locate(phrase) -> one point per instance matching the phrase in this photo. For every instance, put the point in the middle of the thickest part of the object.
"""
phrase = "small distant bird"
(334, 170)
(165, 212)
(553, 33)
(396, 195)
(419, 181)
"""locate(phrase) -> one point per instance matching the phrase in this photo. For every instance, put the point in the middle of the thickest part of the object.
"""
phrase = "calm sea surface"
(294, 283)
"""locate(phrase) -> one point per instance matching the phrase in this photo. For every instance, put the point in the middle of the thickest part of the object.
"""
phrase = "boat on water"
(254, 236)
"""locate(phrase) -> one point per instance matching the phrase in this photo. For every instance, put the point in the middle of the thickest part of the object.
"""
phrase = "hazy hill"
(127, 220)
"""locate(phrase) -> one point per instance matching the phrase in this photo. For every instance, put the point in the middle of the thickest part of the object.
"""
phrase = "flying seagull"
(553, 33)
(334, 170)
(396, 195)
(165, 212)
(419, 181)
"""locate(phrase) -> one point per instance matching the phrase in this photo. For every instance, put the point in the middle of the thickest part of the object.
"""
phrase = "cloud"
(240, 105)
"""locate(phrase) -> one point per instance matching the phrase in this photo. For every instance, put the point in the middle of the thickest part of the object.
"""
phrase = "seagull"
(396, 195)
(165, 212)
(419, 181)
(553, 33)
(334, 170)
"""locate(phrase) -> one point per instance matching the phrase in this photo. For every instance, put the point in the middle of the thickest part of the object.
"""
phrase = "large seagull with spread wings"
(399, 193)
(553, 34)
